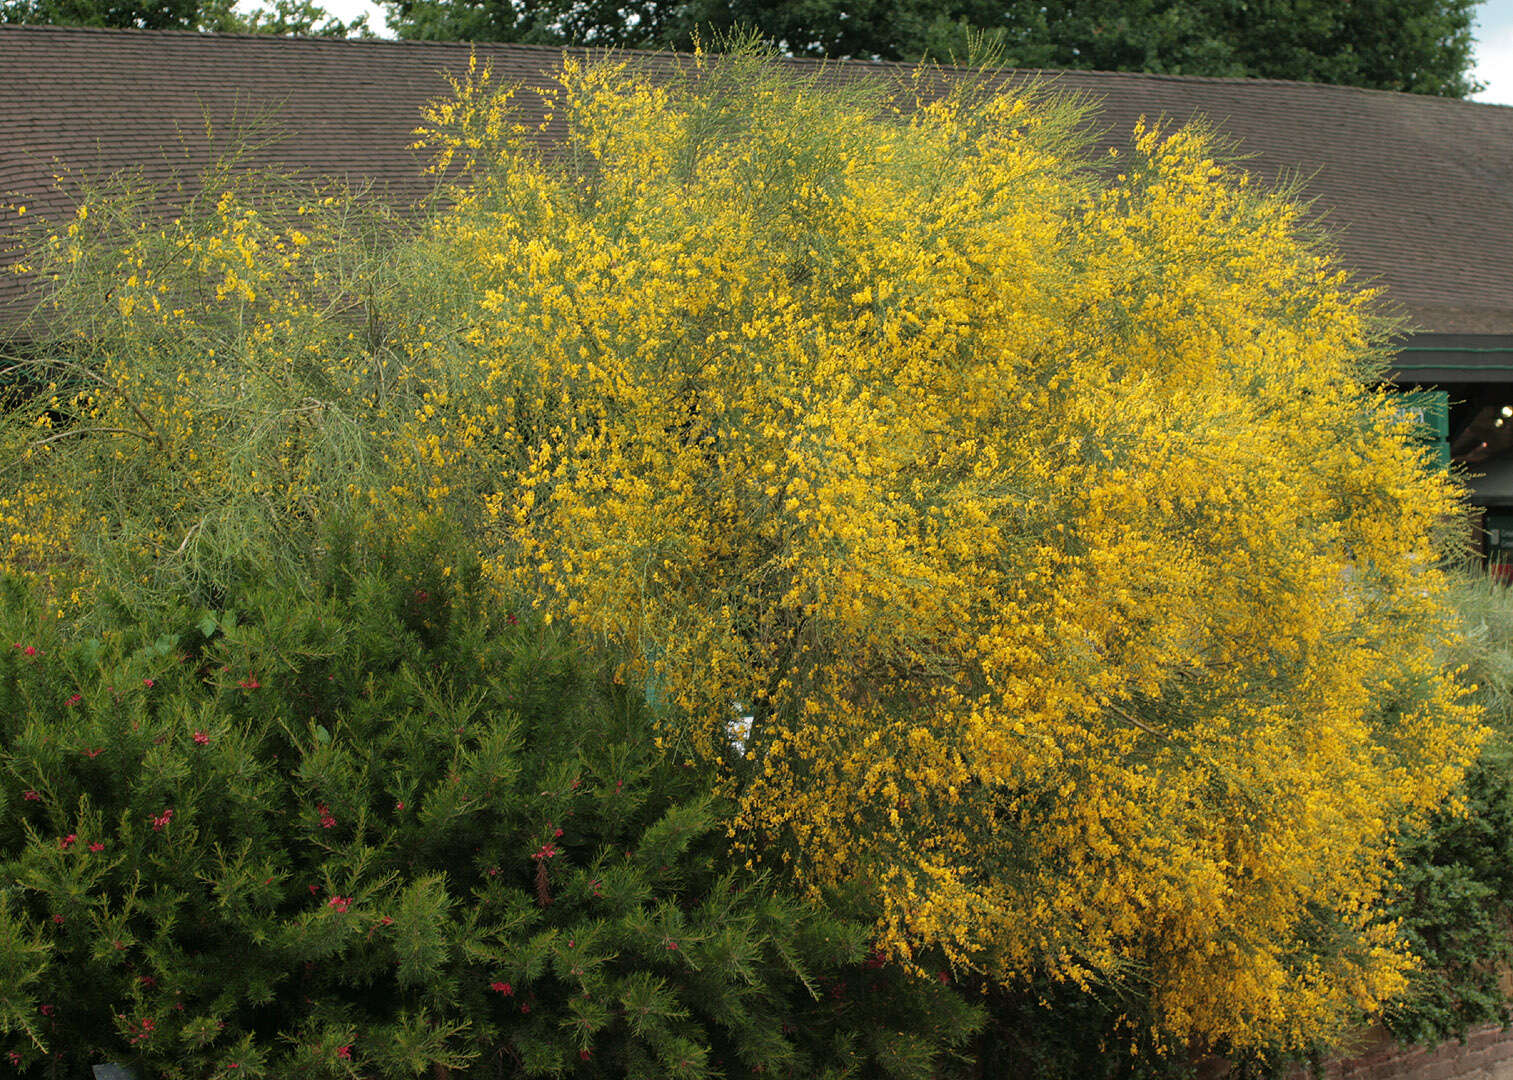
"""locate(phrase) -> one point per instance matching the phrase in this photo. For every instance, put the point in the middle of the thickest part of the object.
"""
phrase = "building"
(1418, 191)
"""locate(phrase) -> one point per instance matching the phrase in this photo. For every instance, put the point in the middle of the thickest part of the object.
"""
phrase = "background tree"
(284, 17)
(1421, 46)
(630, 24)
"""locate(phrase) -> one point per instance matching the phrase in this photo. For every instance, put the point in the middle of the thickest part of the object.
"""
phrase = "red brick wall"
(1487, 1054)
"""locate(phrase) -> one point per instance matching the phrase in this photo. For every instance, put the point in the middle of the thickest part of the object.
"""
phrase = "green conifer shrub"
(385, 827)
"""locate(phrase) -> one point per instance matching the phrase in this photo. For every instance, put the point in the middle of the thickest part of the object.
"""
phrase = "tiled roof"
(1418, 190)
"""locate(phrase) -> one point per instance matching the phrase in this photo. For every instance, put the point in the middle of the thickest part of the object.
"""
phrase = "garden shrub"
(194, 398)
(382, 825)
(1044, 515)
(1082, 589)
(1457, 872)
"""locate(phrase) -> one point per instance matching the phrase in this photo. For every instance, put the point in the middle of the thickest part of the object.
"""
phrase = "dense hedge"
(386, 826)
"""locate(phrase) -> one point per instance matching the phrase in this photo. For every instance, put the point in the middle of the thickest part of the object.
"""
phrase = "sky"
(1494, 52)
(1494, 42)
(347, 10)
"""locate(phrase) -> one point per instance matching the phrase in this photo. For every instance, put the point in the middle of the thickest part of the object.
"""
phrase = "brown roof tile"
(1418, 190)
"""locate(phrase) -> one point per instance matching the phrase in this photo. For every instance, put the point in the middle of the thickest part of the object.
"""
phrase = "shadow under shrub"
(388, 827)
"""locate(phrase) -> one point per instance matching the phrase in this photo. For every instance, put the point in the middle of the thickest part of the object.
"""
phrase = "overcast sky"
(1494, 42)
(1494, 51)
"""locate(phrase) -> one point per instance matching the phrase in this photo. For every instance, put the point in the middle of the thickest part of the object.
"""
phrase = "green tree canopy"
(284, 17)
(1421, 46)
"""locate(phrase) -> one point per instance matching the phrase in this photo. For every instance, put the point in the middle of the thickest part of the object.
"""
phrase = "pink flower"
(548, 850)
(67, 841)
(326, 820)
(148, 683)
(31, 796)
(201, 738)
(74, 700)
(97, 847)
(58, 919)
(249, 683)
(340, 903)
(94, 753)
(386, 921)
(502, 988)
(30, 650)
(47, 1010)
(160, 822)
(400, 805)
(344, 1052)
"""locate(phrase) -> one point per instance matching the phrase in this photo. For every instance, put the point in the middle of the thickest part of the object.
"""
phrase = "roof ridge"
(1048, 73)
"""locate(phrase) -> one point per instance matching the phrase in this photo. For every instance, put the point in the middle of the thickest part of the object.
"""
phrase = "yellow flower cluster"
(195, 392)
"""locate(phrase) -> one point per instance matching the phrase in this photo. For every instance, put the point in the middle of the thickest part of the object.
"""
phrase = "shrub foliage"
(1080, 588)
(1032, 524)
(1456, 883)
(384, 828)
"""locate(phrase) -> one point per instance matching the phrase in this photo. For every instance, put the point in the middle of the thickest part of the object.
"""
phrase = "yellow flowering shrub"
(1079, 588)
(194, 393)
(1025, 535)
